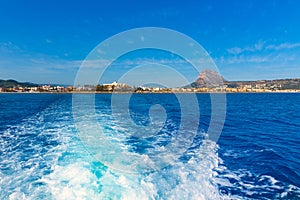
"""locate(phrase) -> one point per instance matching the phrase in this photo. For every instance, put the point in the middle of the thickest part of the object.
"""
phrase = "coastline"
(212, 92)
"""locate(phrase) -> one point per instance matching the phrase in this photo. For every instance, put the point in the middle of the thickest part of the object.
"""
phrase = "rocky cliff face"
(208, 78)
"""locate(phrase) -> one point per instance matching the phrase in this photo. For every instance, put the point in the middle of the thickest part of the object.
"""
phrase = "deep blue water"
(43, 157)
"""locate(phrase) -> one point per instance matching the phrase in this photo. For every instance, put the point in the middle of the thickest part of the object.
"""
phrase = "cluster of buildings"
(38, 89)
(289, 85)
(280, 85)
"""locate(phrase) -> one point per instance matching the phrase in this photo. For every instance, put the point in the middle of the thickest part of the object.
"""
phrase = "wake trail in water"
(44, 158)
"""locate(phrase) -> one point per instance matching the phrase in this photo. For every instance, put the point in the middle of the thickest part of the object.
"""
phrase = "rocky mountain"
(208, 78)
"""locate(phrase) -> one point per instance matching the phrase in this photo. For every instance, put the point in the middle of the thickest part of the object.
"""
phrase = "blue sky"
(46, 41)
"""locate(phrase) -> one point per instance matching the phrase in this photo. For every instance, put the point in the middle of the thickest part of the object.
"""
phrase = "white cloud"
(256, 47)
(261, 61)
(235, 50)
(247, 59)
(261, 46)
(16, 63)
(22, 65)
(8, 47)
(271, 58)
(283, 46)
(48, 41)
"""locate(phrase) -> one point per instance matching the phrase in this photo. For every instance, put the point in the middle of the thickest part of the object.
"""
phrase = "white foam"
(191, 180)
(73, 181)
(194, 179)
(17, 196)
(75, 175)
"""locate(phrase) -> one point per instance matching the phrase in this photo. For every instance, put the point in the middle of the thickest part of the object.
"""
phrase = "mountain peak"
(208, 78)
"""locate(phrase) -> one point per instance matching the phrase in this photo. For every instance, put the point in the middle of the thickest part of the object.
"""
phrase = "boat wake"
(44, 158)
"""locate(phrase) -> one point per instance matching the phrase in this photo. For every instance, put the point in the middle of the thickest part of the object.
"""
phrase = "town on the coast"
(207, 81)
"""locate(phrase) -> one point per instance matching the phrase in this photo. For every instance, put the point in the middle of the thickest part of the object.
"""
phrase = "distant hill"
(14, 83)
(291, 83)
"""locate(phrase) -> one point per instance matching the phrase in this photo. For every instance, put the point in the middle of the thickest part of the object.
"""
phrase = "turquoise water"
(256, 156)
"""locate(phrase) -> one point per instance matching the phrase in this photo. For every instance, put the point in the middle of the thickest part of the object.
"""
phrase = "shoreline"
(90, 92)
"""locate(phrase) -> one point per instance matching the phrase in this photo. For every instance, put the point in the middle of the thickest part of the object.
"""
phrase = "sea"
(43, 155)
